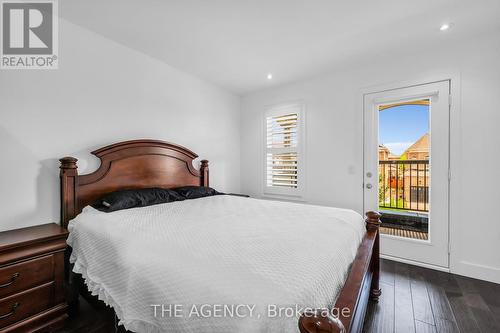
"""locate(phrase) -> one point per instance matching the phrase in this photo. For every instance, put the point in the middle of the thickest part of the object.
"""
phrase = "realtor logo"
(29, 34)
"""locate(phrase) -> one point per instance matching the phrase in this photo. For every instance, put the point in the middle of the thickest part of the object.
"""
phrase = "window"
(283, 150)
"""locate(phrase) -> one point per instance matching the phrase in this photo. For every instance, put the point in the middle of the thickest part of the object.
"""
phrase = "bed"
(264, 266)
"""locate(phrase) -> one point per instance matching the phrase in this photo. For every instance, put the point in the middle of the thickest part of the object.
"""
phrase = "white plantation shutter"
(282, 131)
(283, 142)
(282, 170)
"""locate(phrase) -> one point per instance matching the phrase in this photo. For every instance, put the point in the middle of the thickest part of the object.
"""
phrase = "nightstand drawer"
(25, 275)
(22, 305)
(32, 279)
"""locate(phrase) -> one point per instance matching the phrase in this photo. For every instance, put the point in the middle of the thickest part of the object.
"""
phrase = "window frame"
(285, 192)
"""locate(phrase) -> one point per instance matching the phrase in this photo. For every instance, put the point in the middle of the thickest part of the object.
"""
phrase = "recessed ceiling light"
(445, 26)
(269, 76)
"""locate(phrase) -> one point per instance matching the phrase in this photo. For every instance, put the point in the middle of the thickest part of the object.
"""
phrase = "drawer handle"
(14, 308)
(12, 280)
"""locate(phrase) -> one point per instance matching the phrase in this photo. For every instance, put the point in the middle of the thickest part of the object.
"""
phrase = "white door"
(408, 181)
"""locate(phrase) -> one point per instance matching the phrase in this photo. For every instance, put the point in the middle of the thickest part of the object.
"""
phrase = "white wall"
(334, 140)
(102, 93)
(105, 92)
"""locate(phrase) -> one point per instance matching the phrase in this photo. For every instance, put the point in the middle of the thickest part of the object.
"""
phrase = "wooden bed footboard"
(362, 283)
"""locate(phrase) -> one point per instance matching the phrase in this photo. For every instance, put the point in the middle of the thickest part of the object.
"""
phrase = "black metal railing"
(404, 185)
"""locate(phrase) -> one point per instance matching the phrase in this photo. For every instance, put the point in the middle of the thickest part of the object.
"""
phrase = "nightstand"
(32, 278)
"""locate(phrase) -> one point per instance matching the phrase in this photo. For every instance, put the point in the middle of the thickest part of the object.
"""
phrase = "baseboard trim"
(464, 268)
(415, 263)
(477, 271)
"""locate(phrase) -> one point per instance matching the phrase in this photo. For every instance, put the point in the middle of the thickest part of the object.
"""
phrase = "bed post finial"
(204, 173)
(320, 320)
(68, 174)
(68, 162)
(372, 225)
(372, 220)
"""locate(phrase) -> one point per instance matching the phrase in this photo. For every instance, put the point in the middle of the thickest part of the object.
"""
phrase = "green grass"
(399, 203)
(395, 209)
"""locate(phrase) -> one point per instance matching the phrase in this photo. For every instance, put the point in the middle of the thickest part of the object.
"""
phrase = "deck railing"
(404, 185)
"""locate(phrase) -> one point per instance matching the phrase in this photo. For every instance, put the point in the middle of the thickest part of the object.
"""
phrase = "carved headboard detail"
(128, 165)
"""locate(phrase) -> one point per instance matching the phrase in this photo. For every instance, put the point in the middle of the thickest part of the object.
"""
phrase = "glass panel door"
(406, 154)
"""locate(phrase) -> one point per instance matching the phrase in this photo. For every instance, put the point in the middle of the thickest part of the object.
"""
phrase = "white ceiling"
(235, 43)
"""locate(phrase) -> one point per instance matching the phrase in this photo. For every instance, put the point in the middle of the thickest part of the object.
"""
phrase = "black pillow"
(135, 198)
(194, 192)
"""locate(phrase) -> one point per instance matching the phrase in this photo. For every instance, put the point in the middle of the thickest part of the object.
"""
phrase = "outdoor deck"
(404, 233)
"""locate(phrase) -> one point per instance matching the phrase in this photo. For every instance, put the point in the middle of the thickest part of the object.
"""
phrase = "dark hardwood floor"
(414, 299)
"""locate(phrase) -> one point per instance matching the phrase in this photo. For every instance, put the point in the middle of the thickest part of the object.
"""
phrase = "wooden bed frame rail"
(152, 163)
(361, 285)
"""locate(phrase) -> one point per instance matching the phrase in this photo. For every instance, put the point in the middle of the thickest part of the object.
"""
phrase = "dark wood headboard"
(128, 165)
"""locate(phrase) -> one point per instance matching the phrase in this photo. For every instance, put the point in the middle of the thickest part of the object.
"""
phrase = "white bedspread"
(203, 254)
